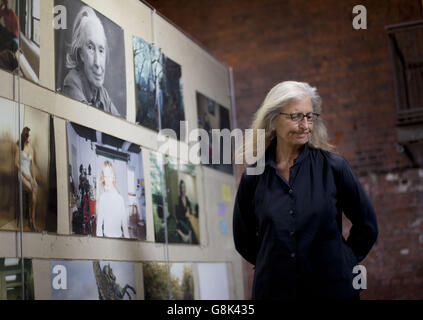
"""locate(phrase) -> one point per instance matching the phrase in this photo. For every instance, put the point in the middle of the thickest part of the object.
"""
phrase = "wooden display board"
(215, 190)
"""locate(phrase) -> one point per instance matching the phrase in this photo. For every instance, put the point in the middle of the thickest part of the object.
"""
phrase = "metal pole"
(20, 164)
(163, 187)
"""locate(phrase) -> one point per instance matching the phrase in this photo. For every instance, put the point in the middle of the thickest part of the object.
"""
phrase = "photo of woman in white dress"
(26, 169)
(112, 219)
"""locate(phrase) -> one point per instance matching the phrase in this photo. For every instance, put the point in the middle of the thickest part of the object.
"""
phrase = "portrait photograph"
(11, 279)
(175, 186)
(158, 88)
(156, 281)
(32, 161)
(92, 280)
(211, 116)
(20, 37)
(106, 185)
(90, 59)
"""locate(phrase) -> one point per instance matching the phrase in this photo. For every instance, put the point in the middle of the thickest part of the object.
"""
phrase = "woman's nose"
(96, 58)
(304, 123)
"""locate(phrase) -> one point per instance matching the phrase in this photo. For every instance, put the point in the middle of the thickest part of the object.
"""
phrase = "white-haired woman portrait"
(288, 220)
(112, 218)
(86, 59)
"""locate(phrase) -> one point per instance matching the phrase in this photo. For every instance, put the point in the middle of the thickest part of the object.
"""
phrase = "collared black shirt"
(292, 230)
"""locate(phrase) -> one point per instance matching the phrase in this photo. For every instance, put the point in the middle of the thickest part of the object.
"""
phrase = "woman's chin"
(301, 140)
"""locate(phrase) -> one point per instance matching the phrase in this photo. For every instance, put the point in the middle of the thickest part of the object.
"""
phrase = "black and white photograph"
(212, 115)
(106, 185)
(158, 86)
(27, 154)
(20, 37)
(90, 59)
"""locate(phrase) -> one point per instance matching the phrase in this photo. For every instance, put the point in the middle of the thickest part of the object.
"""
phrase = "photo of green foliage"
(156, 281)
(11, 279)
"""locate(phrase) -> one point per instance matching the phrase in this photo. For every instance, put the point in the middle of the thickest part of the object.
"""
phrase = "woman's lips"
(304, 134)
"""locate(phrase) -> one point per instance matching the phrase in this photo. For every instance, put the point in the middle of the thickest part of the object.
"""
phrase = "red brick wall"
(268, 41)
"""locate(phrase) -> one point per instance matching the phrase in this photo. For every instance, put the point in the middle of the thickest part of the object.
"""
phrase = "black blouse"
(292, 230)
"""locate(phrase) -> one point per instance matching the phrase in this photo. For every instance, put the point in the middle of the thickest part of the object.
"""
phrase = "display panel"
(106, 191)
(90, 58)
(81, 211)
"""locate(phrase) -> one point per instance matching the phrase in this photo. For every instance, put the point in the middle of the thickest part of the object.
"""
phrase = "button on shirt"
(292, 230)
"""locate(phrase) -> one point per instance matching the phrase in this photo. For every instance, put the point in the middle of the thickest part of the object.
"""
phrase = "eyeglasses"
(298, 116)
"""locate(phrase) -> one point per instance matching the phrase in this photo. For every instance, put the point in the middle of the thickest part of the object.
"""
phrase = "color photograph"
(11, 279)
(20, 37)
(156, 281)
(181, 209)
(212, 115)
(158, 88)
(32, 161)
(90, 59)
(106, 185)
(92, 280)
(147, 72)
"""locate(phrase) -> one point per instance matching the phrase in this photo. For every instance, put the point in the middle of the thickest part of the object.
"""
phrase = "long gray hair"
(279, 97)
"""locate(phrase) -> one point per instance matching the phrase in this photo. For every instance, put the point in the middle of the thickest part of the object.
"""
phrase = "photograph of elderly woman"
(32, 161)
(156, 281)
(11, 279)
(106, 185)
(158, 88)
(92, 280)
(90, 59)
(180, 197)
(212, 115)
(20, 37)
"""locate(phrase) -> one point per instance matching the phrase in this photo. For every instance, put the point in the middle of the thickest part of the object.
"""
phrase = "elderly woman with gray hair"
(288, 220)
(86, 60)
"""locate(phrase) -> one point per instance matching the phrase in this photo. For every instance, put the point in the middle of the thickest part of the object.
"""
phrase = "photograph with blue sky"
(92, 280)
